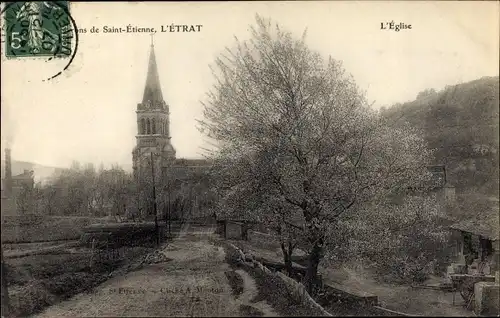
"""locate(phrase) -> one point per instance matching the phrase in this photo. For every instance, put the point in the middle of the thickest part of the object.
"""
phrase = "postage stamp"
(41, 29)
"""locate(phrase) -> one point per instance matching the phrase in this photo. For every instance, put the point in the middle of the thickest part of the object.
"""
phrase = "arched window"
(153, 126)
(163, 127)
(148, 127)
(142, 127)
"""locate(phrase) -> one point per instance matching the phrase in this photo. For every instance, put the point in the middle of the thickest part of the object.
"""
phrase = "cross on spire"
(152, 38)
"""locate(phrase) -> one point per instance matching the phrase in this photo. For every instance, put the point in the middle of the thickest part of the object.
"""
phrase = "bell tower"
(153, 127)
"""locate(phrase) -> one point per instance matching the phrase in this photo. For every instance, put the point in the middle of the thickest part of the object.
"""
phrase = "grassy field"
(38, 281)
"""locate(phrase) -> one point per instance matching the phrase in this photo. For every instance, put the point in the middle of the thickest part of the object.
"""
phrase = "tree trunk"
(312, 268)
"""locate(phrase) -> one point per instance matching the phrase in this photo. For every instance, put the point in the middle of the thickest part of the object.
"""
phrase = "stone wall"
(486, 299)
(380, 311)
(294, 288)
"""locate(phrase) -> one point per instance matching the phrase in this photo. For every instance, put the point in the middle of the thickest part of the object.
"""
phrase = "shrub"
(249, 311)
(33, 298)
(403, 243)
(235, 281)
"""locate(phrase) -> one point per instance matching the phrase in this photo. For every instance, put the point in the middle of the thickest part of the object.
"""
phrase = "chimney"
(449, 190)
(8, 173)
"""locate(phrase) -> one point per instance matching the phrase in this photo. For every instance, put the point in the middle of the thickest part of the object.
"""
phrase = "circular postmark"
(43, 32)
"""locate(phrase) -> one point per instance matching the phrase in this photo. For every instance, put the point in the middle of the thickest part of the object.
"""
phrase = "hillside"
(461, 123)
(41, 172)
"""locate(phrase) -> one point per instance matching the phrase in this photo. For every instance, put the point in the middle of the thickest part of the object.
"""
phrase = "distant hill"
(461, 123)
(41, 172)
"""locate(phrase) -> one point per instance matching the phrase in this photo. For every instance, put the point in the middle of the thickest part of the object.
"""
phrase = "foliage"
(24, 200)
(271, 287)
(235, 281)
(85, 191)
(188, 195)
(426, 93)
(250, 311)
(275, 291)
(460, 123)
(402, 242)
(298, 145)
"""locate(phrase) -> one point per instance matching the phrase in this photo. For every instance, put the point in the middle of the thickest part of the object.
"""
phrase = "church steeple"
(152, 90)
(153, 147)
(153, 122)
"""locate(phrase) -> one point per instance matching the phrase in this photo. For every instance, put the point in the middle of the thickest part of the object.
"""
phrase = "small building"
(25, 179)
(477, 243)
(234, 228)
(476, 267)
(18, 194)
(16, 190)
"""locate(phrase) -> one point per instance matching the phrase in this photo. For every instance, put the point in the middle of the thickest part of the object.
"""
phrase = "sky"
(88, 112)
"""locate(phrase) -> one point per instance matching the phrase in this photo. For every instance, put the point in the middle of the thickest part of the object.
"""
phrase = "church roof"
(191, 162)
(152, 90)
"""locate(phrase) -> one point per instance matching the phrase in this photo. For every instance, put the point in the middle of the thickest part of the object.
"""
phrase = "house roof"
(486, 226)
(27, 174)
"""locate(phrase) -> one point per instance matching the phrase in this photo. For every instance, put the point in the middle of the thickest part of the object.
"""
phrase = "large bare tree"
(297, 141)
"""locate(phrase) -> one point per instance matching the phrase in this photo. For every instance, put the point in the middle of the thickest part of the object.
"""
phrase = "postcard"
(250, 158)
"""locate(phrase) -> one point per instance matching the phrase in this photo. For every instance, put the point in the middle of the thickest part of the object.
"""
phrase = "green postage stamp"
(41, 28)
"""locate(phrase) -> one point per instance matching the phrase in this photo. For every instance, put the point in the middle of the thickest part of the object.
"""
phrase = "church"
(154, 159)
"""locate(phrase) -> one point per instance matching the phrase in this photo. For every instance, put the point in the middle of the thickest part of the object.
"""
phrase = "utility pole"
(165, 213)
(169, 211)
(154, 201)
(168, 214)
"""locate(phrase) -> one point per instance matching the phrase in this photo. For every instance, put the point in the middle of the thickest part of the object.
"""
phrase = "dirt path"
(249, 293)
(192, 283)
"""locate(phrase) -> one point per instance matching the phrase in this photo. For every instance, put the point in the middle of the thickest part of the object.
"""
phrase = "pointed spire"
(152, 91)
